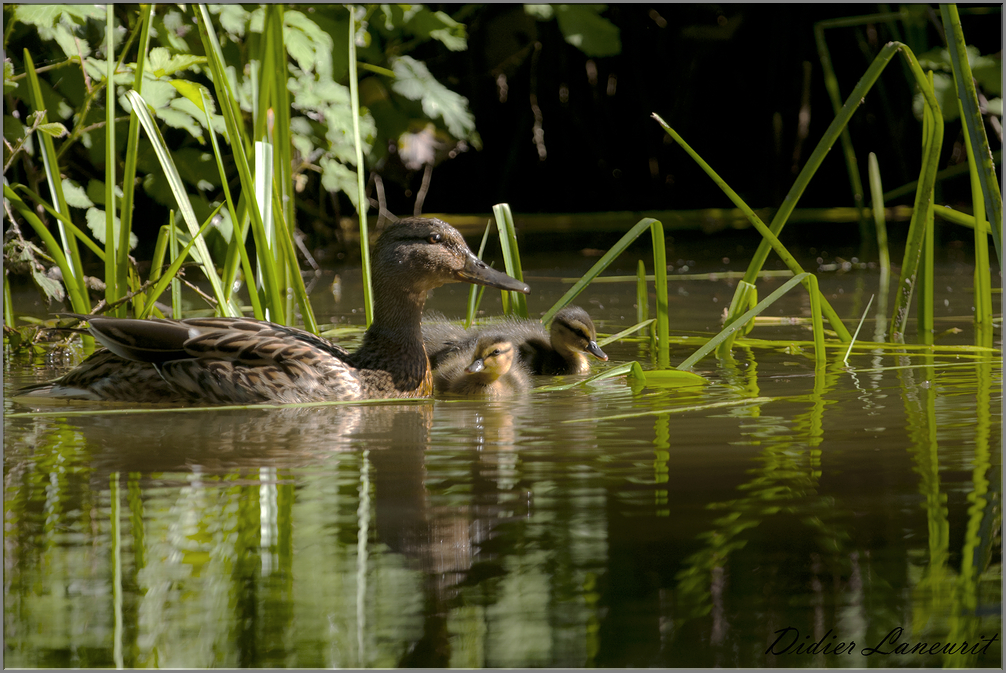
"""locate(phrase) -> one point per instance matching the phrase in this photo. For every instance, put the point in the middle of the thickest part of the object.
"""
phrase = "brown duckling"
(560, 350)
(492, 368)
(244, 361)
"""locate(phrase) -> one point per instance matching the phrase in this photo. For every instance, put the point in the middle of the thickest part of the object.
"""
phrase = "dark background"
(728, 78)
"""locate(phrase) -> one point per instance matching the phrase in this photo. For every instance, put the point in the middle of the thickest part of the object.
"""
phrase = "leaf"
(50, 287)
(8, 74)
(96, 191)
(540, 12)
(161, 62)
(54, 129)
(585, 29)
(441, 27)
(308, 44)
(337, 177)
(75, 195)
(414, 81)
(666, 378)
(96, 223)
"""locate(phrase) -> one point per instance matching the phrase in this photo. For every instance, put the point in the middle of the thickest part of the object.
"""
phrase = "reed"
(879, 220)
(973, 122)
(361, 200)
(514, 303)
(475, 291)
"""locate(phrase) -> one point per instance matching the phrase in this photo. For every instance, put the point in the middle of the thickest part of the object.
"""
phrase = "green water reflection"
(850, 504)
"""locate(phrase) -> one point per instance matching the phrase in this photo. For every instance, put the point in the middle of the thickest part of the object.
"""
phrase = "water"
(599, 526)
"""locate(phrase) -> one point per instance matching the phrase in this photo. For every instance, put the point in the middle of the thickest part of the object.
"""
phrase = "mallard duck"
(244, 361)
(491, 368)
(560, 350)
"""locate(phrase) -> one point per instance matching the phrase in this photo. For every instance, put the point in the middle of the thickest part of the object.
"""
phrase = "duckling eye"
(434, 238)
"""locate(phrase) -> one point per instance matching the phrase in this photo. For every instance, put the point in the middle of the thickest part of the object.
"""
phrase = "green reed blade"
(77, 300)
(815, 317)
(620, 370)
(923, 206)
(982, 275)
(177, 259)
(475, 291)
(858, 327)
(361, 198)
(66, 221)
(924, 276)
(50, 161)
(973, 122)
(879, 220)
(268, 259)
(239, 145)
(296, 279)
(511, 257)
(627, 239)
(831, 85)
(131, 157)
(770, 239)
(642, 296)
(201, 253)
(239, 235)
(660, 283)
(625, 332)
(112, 274)
(711, 345)
(8, 305)
(963, 219)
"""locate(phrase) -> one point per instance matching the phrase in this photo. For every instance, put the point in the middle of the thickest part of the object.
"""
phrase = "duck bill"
(596, 351)
(475, 367)
(478, 272)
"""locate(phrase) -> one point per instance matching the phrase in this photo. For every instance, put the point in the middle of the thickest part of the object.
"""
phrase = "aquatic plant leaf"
(75, 195)
(664, 378)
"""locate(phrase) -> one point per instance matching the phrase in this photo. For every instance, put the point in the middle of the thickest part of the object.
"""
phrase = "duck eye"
(434, 238)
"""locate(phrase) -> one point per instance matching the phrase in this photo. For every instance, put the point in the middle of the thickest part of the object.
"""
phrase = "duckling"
(492, 368)
(244, 361)
(560, 350)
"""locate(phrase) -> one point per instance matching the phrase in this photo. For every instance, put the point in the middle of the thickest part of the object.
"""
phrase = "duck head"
(421, 253)
(493, 359)
(573, 331)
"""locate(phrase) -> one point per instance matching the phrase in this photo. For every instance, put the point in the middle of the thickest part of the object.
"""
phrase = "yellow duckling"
(492, 369)
(560, 350)
(244, 361)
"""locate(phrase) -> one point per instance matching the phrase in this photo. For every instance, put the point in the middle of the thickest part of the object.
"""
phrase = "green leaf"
(53, 289)
(540, 12)
(337, 177)
(585, 29)
(54, 129)
(8, 73)
(233, 19)
(665, 378)
(96, 191)
(414, 81)
(441, 27)
(308, 44)
(75, 195)
(161, 62)
(96, 223)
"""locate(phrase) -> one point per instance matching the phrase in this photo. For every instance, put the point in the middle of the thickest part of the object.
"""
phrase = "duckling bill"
(244, 361)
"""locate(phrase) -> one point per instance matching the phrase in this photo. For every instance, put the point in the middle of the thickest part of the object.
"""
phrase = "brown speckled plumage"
(244, 361)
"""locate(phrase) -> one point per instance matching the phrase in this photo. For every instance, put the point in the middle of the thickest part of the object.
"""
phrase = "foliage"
(70, 51)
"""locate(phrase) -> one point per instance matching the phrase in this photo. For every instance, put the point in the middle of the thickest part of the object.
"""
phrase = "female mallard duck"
(243, 361)
(491, 368)
(560, 350)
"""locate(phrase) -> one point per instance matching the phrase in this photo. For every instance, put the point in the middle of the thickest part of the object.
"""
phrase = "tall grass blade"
(171, 274)
(858, 327)
(879, 220)
(625, 332)
(982, 276)
(660, 283)
(296, 279)
(66, 221)
(711, 345)
(974, 124)
(8, 305)
(267, 256)
(201, 252)
(74, 273)
(769, 236)
(924, 277)
(131, 157)
(511, 257)
(361, 199)
(815, 318)
(475, 291)
(601, 264)
(112, 274)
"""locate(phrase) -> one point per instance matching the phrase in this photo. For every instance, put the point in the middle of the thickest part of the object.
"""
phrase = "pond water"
(734, 524)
